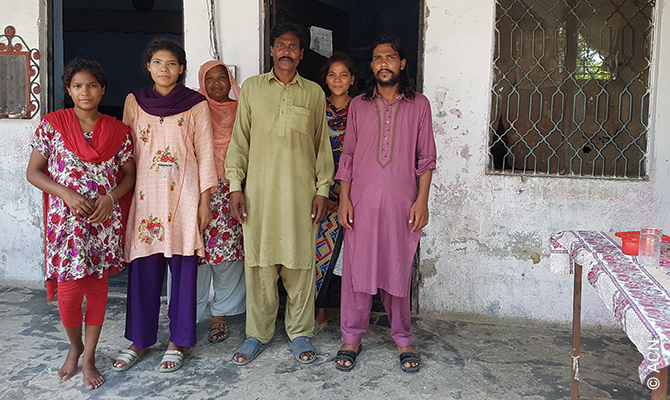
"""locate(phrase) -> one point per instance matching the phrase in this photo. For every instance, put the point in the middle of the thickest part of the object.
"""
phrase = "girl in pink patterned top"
(77, 155)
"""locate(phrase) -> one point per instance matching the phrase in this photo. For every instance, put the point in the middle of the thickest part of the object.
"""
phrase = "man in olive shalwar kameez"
(280, 145)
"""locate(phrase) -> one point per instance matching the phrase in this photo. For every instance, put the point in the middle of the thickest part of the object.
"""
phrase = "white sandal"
(174, 356)
(127, 356)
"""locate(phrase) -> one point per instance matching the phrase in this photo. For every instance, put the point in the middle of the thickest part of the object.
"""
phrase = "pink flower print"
(61, 166)
(211, 243)
(144, 134)
(181, 121)
(92, 185)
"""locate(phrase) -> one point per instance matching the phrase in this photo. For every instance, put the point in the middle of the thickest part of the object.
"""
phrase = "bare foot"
(71, 363)
(170, 364)
(321, 316)
(349, 346)
(408, 349)
(120, 363)
(92, 378)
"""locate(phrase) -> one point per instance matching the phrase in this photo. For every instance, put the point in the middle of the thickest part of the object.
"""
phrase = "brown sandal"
(218, 329)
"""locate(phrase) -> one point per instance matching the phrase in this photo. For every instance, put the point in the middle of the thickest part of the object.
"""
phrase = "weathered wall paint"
(486, 247)
(21, 252)
(239, 28)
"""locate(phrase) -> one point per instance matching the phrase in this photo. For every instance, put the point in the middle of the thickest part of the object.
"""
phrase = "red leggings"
(71, 295)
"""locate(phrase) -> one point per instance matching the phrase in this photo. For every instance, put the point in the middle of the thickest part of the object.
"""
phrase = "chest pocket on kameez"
(300, 119)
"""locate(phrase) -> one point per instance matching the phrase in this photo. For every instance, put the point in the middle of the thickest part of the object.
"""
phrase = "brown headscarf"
(223, 115)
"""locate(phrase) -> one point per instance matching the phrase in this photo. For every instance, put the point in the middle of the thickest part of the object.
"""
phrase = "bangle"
(111, 197)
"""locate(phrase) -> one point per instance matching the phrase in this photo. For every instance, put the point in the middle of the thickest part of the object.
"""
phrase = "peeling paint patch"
(427, 268)
(535, 257)
(441, 114)
(493, 308)
(456, 112)
(465, 152)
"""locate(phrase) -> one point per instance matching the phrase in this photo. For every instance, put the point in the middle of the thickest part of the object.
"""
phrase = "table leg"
(576, 331)
(660, 392)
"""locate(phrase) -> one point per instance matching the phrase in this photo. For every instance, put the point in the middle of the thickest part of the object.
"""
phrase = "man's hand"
(345, 213)
(418, 214)
(319, 208)
(238, 206)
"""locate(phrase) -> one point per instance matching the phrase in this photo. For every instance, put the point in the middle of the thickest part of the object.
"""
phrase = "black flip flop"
(410, 358)
(347, 355)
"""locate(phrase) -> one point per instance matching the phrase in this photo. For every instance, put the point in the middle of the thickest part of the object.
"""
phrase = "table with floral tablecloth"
(638, 297)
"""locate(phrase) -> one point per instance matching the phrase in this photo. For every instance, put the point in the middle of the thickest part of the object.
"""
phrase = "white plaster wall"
(21, 253)
(239, 27)
(478, 248)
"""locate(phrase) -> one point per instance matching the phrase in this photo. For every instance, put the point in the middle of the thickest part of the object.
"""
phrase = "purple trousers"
(145, 283)
(355, 308)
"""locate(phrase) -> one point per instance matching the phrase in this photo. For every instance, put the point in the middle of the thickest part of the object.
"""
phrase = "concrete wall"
(21, 249)
(486, 247)
(239, 26)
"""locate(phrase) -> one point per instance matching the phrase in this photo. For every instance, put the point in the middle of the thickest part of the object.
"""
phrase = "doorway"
(355, 24)
(113, 34)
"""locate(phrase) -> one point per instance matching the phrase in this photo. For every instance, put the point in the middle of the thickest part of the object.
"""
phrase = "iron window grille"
(570, 91)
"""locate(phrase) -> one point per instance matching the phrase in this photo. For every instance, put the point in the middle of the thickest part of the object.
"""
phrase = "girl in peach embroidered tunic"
(171, 176)
(172, 137)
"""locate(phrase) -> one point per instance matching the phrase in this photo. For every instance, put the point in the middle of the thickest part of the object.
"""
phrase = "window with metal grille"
(570, 93)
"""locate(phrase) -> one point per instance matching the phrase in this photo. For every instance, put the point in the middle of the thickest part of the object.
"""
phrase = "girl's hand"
(103, 209)
(204, 212)
(333, 206)
(77, 203)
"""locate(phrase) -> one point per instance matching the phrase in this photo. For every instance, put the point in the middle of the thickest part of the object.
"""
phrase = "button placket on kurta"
(386, 114)
(285, 104)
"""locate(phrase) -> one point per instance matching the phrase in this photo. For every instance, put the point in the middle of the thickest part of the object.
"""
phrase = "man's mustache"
(286, 58)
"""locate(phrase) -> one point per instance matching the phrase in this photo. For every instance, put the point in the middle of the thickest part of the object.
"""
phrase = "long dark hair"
(405, 85)
(169, 45)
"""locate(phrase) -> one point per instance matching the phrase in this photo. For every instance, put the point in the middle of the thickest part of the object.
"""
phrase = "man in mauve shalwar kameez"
(280, 145)
(389, 144)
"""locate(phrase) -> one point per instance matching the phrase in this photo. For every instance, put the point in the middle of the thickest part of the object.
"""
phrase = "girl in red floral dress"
(82, 160)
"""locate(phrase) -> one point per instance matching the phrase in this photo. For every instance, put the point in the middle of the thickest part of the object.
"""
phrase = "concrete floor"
(472, 360)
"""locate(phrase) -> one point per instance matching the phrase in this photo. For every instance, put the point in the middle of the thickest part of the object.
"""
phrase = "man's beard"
(395, 78)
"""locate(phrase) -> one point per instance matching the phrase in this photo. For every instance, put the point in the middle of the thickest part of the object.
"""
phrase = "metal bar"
(576, 331)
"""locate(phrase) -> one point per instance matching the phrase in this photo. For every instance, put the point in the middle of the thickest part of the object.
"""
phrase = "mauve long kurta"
(387, 146)
(280, 145)
(175, 163)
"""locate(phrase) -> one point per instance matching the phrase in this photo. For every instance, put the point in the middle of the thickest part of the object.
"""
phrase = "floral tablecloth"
(637, 296)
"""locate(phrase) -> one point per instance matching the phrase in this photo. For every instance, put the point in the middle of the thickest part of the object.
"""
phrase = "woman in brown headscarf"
(223, 265)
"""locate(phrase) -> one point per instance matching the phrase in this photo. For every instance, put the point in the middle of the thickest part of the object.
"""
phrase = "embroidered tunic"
(175, 164)
(280, 146)
(75, 247)
(386, 148)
